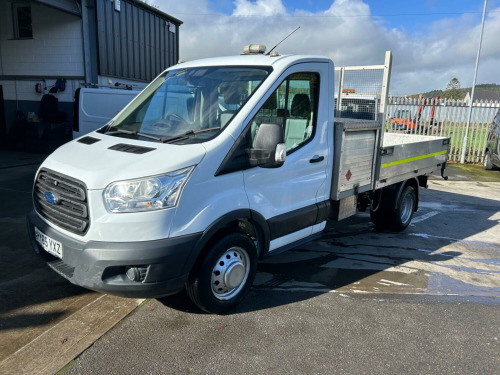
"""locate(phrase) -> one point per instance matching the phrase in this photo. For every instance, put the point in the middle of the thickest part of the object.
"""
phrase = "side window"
(293, 105)
(21, 17)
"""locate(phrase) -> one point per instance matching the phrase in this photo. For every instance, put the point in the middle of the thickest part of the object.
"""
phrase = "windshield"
(188, 105)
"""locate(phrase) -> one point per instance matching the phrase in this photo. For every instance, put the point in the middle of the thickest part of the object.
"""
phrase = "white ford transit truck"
(213, 166)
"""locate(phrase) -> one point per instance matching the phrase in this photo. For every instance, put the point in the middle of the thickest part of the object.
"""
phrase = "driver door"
(288, 196)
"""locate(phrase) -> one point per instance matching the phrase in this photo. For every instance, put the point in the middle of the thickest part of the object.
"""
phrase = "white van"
(94, 107)
(216, 164)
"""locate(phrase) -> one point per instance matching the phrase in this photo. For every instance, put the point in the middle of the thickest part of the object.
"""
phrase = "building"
(483, 97)
(67, 43)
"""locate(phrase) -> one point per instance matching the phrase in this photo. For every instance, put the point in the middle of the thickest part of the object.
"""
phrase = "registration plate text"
(49, 245)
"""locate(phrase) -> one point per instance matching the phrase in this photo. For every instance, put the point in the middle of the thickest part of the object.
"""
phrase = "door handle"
(316, 159)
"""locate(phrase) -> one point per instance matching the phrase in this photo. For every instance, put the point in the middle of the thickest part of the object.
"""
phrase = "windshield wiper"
(174, 138)
(132, 132)
(185, 135)
(202, 130)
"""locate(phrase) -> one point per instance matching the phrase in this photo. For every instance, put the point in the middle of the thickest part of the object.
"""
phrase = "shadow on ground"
(348, 253)
(439, 254)
(33, 297)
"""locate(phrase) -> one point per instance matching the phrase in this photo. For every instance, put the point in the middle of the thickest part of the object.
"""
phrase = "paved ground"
(354, 301)
(44, 320)
(304, 333)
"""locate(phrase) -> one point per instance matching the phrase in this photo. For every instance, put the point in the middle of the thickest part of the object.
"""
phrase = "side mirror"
(269, 149)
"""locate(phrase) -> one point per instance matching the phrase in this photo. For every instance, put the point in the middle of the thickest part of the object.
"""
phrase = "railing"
(361, 91)
(444, 117)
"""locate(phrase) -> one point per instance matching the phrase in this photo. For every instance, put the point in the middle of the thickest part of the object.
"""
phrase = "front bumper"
(102, 266)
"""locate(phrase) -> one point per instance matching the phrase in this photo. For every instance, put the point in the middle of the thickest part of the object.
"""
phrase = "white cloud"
(423, 61)
(348, 8)
(259, 8)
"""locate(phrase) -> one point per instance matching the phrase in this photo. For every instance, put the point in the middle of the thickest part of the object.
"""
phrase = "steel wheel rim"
(230, 273)
(407, 208)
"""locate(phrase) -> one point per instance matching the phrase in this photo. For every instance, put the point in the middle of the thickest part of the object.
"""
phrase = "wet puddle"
(356, 259)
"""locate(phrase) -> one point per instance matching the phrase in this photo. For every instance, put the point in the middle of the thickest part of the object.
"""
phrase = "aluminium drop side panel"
(403, 156)
(355, 148)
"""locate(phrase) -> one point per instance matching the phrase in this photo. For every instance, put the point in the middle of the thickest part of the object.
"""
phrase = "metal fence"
(444, 117)
(362, 91)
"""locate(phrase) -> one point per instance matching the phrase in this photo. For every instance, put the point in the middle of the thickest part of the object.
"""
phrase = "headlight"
(146, 194)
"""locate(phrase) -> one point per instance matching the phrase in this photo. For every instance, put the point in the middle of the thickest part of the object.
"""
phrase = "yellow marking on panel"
(402, 161)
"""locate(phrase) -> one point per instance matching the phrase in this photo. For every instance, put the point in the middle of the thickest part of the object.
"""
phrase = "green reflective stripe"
(402, 161)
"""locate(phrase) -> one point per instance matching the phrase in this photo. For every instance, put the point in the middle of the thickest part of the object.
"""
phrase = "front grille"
(70, 209)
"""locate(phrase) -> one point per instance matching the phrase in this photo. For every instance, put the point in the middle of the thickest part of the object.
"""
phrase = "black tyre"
(393, 215)
(379, 218)
(225, 275)
(487, 163)
(380, 209)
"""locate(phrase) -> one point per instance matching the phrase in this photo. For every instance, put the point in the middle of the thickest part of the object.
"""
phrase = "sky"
(432, 41)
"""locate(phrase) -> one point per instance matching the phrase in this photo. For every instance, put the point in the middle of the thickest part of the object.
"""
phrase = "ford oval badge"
(51, 198)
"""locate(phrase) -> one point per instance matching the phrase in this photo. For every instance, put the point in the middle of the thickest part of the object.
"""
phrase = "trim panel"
(293, 221)
(296, 220)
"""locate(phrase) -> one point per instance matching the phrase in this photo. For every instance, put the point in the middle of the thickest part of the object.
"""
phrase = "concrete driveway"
(354, 301)
(44, 320)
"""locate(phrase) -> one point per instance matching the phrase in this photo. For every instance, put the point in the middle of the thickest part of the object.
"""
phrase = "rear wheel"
(392, 214)
(225, 275)
(405, 209)
(487, 163)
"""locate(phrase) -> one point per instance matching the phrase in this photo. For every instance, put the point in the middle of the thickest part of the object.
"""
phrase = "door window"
(293, 105)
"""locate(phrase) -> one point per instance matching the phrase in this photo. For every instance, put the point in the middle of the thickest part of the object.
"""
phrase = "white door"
(289, 197)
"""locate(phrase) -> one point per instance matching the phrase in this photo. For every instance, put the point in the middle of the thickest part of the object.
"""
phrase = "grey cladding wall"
(135, 42)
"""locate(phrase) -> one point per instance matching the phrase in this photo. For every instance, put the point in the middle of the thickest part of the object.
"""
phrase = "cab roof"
(252, 60)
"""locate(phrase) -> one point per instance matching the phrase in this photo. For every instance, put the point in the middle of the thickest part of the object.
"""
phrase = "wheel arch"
(244, 221)
(414, 183)
(401, 186)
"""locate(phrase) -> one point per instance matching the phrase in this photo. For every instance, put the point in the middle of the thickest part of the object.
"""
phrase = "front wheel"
(487, 164)
(225, 275)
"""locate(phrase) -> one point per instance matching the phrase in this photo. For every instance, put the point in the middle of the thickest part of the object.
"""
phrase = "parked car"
(492, 151)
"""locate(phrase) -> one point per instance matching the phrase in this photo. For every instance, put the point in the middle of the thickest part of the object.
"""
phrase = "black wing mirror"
(269, 150)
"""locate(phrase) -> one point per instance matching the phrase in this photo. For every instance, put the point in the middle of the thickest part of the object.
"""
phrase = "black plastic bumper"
(102, 266)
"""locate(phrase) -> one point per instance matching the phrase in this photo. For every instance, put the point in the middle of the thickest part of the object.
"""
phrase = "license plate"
(49, 245)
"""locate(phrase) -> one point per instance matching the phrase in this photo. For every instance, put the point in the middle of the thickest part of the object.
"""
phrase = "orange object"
(404, 121)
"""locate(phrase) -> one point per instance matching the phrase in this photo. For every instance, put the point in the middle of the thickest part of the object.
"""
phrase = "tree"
(151, 3)
(453, 89)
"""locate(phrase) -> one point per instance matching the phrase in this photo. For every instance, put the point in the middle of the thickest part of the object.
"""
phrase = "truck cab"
(213, 166)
